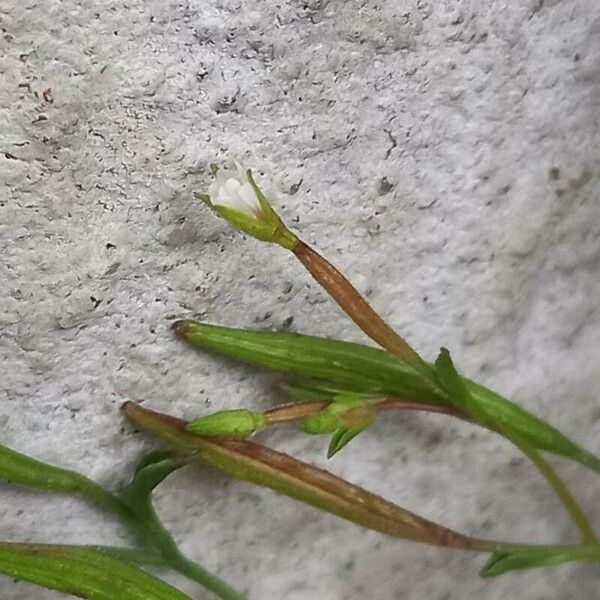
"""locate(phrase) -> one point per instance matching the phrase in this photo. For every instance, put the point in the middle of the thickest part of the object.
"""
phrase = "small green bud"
(323, 422)
(347, 413)
(229, 423)
(235, 197)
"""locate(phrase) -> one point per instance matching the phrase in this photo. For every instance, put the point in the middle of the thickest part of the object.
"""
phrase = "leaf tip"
(181, 329)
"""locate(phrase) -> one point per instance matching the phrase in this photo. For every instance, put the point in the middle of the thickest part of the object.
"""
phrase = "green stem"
(151, 528)
(589, 460)
(107, 501)
(196, 573)
(150, 532)
(587, 533)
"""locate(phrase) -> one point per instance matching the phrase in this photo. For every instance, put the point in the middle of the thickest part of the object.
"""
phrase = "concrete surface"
(445, 154)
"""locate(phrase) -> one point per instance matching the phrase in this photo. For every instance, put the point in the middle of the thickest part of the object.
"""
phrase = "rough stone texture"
(445, 153)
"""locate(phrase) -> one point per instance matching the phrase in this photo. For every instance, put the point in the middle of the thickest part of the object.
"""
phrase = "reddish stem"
(290, 413)
(398, 404)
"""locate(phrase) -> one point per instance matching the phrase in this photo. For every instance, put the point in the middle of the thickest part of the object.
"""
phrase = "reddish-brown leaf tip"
(126, 406)
(181, 329)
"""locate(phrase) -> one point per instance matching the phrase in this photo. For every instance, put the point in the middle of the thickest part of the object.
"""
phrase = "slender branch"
(587, 533)
(291, 413)
(399, 404)
(152, 534)
(108, 501)
(196, 573)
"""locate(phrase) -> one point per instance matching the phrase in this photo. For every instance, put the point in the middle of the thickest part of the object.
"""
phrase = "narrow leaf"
(23, 470)
(341, 438)
(537, 433)
(152, 470)
(82, 572)
(155, 457)
(457, 391)
(503, 562)
(136, 556)
(498, 414)
(150, 473)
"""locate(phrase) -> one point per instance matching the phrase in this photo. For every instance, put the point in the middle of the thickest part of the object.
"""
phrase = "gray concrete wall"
(445, 154)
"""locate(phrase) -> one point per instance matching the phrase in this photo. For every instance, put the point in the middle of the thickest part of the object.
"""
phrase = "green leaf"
(155, 457)
(23, 470)
(135, 509)
(457, 391)
(352, 367)
(537, 433)
(82, 572)
(342, 437)
(449, 377)
(151, 471)
(499, 414)
(136, 556)
(503, 562)
(309, 390)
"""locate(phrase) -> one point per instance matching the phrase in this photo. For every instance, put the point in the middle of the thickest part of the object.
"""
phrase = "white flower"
(233, 190)
(235, 197)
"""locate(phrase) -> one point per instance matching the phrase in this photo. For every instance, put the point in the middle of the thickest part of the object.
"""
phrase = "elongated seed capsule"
(353, 366)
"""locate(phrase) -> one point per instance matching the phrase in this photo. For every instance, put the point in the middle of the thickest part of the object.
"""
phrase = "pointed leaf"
(503, 562)
(23, 470)
(155, 457)
(137, 496)
(457, 391)
(151, 472)
(341, 438)
(307, 390)
(82, 572)
(537, 433)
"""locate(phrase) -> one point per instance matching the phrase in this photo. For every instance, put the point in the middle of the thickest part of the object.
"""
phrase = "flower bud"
(347, 411)
(323, 422)
(229, 423)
